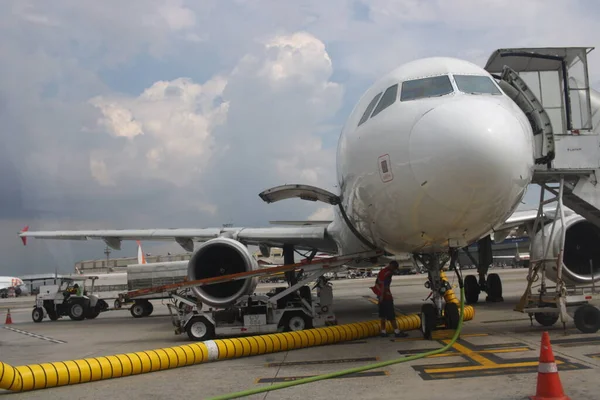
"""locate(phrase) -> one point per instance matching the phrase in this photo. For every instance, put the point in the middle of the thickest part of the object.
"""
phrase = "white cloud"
(177, 113)
(176, 16)
(176, 116)
(99, 171)
(278, 97)
(118, 121)
(322, 214)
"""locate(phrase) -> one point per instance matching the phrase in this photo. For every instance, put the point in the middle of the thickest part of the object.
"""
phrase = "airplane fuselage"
(445, 161)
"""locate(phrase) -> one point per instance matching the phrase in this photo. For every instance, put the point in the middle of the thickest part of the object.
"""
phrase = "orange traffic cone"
(8, 318)
(548, 384)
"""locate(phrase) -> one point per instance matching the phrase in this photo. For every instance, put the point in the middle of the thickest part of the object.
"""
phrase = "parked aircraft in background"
(8, 282)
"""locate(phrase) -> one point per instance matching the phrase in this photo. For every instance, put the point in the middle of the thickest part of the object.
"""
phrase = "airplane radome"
(444, 157)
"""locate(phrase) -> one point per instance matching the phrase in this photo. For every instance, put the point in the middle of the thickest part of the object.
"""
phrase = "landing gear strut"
(437, 313)
(492, 285)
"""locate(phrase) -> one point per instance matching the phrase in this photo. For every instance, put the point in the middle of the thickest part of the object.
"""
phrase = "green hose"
(249, 392)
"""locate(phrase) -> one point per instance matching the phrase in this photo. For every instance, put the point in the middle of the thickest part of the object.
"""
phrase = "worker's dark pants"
(386, 310)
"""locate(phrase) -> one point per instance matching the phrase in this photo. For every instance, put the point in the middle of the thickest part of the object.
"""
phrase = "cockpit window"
(388, 98)
(426, 87)
(369, 109)
(476, 84)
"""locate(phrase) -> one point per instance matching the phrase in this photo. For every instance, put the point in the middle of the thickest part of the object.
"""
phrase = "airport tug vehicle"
(62, 299)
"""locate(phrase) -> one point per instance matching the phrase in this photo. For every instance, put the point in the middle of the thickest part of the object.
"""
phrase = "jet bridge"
(551, 86)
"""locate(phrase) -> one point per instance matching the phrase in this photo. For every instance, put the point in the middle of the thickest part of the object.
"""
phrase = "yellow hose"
(449, 296)
(61, 373)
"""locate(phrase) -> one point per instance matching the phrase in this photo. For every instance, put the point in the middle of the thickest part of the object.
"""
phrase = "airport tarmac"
(496, 357)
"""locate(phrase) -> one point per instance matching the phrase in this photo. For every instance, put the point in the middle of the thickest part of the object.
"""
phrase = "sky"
(172, 113)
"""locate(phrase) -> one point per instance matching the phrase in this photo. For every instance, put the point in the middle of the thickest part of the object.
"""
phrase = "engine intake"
(581, 245)
(218, 257)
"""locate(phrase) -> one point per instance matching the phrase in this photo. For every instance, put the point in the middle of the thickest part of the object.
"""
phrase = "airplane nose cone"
(472, 154)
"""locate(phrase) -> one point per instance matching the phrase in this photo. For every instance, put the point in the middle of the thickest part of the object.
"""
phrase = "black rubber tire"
(51, 311)
(207, 330)
(451, 315)
(587, 319)
(428, 320)
(76, 315)
(148, 308)
(295, 321)
(472, 289)
(37, 314)
(91, 314)
(494, 286)
(546, 319)
(137, 310)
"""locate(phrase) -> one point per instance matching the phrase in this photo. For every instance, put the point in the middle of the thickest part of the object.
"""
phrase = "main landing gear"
(444, 308)
(492, 285)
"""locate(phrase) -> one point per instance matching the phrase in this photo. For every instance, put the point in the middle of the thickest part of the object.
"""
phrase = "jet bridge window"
(388, 98)
(476, 84)
(369, 109)
(426, 87)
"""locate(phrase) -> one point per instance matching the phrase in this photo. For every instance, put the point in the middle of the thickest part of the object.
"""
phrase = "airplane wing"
(520, 218)
(302, 237)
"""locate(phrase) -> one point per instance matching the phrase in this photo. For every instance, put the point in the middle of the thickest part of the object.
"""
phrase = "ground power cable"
(349, 371)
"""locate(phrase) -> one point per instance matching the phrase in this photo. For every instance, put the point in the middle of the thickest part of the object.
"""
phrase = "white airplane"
(434, 156)
(7, 282)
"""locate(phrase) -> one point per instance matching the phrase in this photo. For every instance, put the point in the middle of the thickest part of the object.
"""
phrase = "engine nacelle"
(218, 257)
(581, 245)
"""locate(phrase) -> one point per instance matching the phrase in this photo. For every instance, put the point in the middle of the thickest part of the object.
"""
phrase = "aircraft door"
(516, 88)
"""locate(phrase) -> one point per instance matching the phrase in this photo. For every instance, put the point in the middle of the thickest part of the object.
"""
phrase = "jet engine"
(582, 241)
(218, 257)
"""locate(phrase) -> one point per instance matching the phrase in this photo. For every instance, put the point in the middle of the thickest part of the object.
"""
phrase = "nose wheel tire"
(451, 315)
(428, 320)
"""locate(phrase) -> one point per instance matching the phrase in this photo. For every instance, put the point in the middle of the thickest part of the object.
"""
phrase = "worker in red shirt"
(385, 299)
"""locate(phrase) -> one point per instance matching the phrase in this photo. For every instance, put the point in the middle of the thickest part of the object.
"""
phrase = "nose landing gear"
(443, 310)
